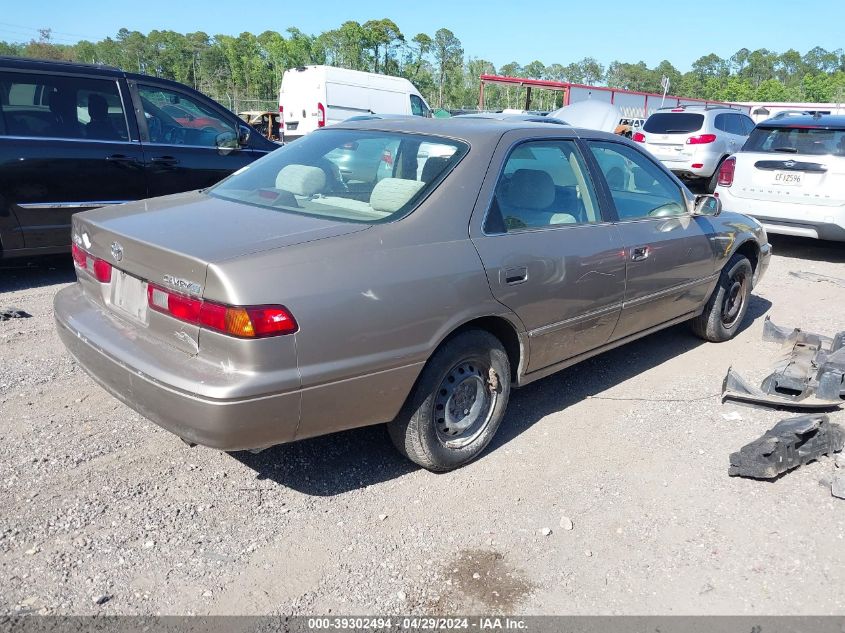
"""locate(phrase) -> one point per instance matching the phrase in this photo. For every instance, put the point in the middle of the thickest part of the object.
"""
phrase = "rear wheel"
(457, 404)
(728, 305)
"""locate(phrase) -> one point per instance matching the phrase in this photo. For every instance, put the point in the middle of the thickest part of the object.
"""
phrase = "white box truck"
(316, 96)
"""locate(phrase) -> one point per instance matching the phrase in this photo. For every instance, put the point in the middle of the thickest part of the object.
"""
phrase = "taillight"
(281, 112)
(99, 268)
(727, 171)
(321, 115)
(243, 322)
(639, 137)
(702, 139)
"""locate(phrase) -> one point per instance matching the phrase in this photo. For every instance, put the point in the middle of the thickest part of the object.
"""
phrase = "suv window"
(721, 122)
(786, 140)
(543, 183)
(735, 125)
(748, 123)
(43, 106)
(674, 122)
(639, 188)
(176, 119)
(417, 106)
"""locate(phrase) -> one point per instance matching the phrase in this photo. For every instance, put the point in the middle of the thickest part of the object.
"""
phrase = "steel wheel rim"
(463, 404)
(734, 302)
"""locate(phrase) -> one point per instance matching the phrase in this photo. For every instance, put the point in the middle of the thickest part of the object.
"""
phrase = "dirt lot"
(101, 506)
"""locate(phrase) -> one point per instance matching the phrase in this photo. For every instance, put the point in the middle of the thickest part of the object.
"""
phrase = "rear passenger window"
(735, 124)
(543, 184)
(639, 188)
(720, 122)
(44, 106)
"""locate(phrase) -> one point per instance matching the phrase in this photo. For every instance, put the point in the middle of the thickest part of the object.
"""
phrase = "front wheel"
(728, 305)
(457, 404)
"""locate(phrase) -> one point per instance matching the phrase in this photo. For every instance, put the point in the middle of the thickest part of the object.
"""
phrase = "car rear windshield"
(674, 123)
(796, 140)
(352, 175)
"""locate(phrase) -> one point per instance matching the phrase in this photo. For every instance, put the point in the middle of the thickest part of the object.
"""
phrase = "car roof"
(821, 121)
(28, 63)
(469, 128)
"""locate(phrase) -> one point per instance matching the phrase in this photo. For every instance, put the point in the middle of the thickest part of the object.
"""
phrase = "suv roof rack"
(62, 62)
(707, 106)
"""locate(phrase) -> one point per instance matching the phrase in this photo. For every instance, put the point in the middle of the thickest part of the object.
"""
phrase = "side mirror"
(707, 205)
(244, 133)
(226, 142)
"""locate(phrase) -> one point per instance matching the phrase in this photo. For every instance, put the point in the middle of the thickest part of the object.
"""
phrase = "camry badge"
(185, 285)
(116, 251)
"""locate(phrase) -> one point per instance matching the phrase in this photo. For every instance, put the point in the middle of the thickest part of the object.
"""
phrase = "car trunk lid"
(807, 179)
(170, 242)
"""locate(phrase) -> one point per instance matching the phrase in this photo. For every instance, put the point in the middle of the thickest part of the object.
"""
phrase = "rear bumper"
(104, 348)
(789, 218)
(682, 166)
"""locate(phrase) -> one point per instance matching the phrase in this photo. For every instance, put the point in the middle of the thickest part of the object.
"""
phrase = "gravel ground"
(606, 491)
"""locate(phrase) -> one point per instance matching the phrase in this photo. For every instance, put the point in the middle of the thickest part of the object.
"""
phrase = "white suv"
(790, 175)
(693, 140)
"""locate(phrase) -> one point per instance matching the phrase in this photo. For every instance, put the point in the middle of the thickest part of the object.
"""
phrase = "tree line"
(245, 69)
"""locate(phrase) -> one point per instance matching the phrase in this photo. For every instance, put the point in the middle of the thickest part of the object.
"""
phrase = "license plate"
(129, 295)
(790, 178)
(293, 126)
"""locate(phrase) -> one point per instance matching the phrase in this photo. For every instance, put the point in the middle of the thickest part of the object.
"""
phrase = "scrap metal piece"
(737, 389)
(809, 375)
(13, 313)
(788, 444)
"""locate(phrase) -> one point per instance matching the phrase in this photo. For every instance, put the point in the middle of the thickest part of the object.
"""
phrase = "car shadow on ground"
(36, 272)
(337, 463)
(807, 249)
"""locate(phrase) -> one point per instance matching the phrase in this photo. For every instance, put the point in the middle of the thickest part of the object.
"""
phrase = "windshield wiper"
(677, 132)
(790, 150)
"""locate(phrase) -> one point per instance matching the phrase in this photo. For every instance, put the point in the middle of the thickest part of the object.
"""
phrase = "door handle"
(639, 253)
(121, 158)
(167, 161)
(516, 275)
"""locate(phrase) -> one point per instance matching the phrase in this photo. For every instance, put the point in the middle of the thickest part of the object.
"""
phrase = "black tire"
(459, 374)
(726, 309)
(713, 181)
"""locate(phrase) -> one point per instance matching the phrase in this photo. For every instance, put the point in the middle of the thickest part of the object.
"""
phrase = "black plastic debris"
(789, 444)
(809, 375)
(13, 313)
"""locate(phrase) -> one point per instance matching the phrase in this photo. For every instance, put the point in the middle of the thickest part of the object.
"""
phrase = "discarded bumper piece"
(810, 374)
(788, 444)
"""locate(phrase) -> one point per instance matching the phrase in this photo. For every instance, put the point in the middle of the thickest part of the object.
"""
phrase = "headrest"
(301, 180)
(531, 189)
(391, 194)
(562, 218)
(97, 105)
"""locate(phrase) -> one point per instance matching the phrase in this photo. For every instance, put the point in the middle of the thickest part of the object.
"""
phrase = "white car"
(790, 175)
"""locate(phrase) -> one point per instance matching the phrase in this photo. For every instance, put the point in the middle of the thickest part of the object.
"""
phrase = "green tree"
(448, 56)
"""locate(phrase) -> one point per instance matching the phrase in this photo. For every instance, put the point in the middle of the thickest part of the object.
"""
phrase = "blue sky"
(500, 31)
